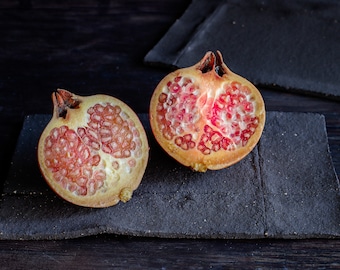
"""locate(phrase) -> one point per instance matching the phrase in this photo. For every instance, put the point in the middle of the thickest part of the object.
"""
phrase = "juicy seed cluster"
(73, 157)
(72, 162)
(229, 117)
(177, 110)
(185, 142)
(233, 113)
(212, 140)
(116, 135)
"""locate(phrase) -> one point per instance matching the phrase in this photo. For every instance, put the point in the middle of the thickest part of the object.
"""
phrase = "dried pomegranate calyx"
(63, 101)
(206, 116)
(211, 62)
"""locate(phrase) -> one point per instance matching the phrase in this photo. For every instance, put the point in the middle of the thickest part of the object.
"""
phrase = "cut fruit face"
(94, 151)
(206, 116)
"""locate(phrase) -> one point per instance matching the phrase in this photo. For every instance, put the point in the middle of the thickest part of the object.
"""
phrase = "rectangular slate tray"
(285, 188)
(292, 45)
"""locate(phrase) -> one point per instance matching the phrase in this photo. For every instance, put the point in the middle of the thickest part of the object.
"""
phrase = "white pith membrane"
(90, 159)
(229, 115)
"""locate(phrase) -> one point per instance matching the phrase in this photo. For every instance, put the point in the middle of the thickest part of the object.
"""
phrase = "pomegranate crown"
(211, 62)
(64, 100)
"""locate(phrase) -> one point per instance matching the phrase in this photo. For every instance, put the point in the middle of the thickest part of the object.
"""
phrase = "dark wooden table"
(98, 46)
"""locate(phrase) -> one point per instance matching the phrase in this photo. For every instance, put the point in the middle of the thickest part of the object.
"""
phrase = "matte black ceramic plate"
(293, 45)
(285, 188)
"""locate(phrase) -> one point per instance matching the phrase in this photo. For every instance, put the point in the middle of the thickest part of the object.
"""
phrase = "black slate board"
(285, 188)
(292, 45)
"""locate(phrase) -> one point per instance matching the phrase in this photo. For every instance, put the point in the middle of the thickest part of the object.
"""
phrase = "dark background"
(93, 47)
(87, 47)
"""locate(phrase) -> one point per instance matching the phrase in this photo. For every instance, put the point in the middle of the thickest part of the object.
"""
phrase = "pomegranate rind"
(119, 184)
(208, 82)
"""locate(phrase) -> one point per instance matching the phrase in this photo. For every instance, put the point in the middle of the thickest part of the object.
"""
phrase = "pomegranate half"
(205, 116)
(94, 150)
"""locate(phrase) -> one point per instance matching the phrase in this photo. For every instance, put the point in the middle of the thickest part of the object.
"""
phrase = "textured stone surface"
(293, 45)
(285, 188)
